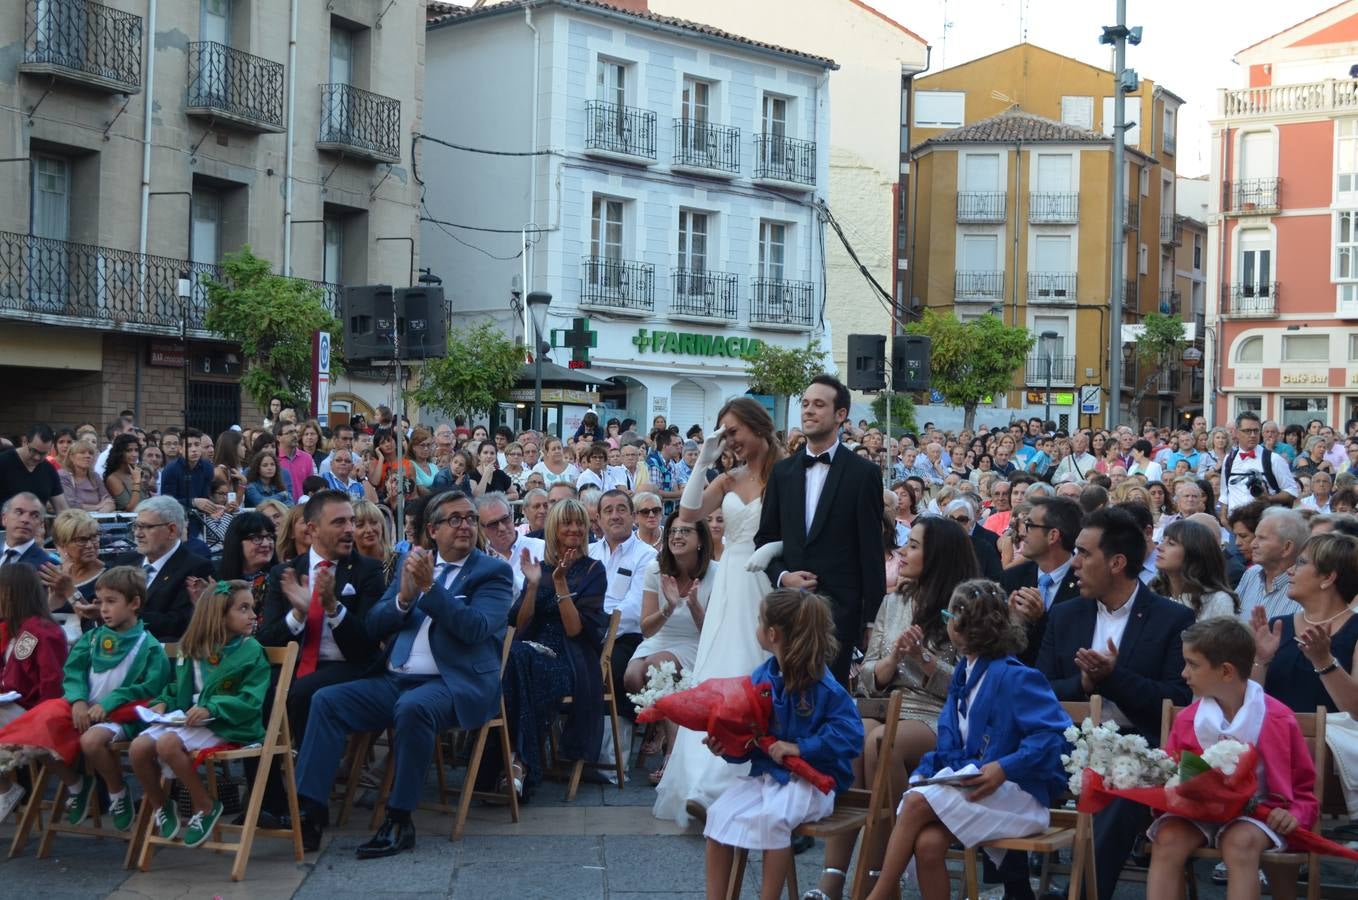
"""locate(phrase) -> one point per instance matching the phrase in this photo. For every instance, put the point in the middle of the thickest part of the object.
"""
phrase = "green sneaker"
(201, 825)
(167, 820)
(78, 802)
(121, 811)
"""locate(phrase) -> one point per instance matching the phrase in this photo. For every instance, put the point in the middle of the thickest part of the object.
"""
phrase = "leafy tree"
(273, 318)
(480, 368)
(784, 373)
(902, 413)
(1157, 348)
(972, 360)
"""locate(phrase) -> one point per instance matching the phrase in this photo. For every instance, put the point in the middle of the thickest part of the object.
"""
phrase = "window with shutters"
(1078, 111)
(940, 109)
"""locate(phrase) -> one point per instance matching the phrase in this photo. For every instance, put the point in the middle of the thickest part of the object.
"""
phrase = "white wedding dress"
(726, 648)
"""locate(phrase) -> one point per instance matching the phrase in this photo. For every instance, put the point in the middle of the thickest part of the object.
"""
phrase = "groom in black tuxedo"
(825, 504)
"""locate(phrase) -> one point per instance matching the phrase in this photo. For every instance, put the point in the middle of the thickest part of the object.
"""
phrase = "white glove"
(710, 454)
(692, 497)
(762, 556)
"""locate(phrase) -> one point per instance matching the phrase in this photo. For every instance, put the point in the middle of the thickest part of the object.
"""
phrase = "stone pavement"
(605, 846)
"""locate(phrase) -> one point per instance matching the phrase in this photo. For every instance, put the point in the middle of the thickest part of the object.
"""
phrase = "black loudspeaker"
(867, 362)
(420, 310)
(375, 315)
(910, 362)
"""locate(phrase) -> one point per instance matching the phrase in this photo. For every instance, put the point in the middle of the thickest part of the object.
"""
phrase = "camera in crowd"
(1254, 483)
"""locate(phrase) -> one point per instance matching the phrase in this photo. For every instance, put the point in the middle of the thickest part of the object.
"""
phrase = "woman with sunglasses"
(649, 512)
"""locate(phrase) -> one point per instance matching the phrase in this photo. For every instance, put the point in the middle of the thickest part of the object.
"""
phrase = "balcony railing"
(777, 302)
(1053, 209)
(980, 207)
(703, 145)
(707, 295)
(784, 160)
(1169, 231)
(225, 83)
(1051, 287)
(361, 123)
(619, 131)
(618, 284)
(84, 42)
(1129, 297)
(1251, 196)
(1250, 301)
(1131, 216)
(65, 283)
(1170, 303)
(1169, 143)
(978, 286)
(1063, 370)
(1330, 95)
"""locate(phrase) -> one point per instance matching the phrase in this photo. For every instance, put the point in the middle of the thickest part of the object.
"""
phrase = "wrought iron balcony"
(1051, 287)
(1170, 303)
(1130, 299)
(360, 123)
(230, 85)
(1169, 231)
(784, 161)
(706, 295)
(618, 285)
(1250, 301)
(84, 43)
(1252, 196)
(1063, 371)
(619, 132)
(978, 286)
(778, 303)
(980, 207)
(1053, 209)
(1131, 216)
(709, 148)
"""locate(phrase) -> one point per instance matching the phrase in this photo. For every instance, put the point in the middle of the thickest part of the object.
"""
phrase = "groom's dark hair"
(842, 399)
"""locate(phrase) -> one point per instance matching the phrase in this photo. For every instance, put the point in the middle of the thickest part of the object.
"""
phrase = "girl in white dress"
(727, 646)
(1000, 715)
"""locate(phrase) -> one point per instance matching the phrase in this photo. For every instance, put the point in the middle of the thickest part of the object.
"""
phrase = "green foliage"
(273, 318)
(902, 413)
(784, 373)
(1157, 348)
(972, 360)
(480, 368)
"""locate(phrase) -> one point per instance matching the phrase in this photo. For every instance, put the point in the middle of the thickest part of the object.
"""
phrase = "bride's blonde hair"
(752, 414)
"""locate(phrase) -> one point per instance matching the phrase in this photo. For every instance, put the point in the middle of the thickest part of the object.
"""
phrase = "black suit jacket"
(34, 556)
(1025, 574)
(1150, 659)
(168, 605)
(987, 546)
(351, 635)
(844, 548)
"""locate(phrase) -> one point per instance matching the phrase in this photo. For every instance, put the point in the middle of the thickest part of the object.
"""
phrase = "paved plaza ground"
(604, 846)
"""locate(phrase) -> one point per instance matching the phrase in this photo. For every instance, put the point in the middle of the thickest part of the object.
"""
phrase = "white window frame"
(940, 109)
(1345, 283)
(610, 93)
(1353, 348)
(600, 222)
(1070, 110)
(1249, 342)
(1248, 403)
(766, 268)
(689, 259)
(1346, 174)
(1306, 340)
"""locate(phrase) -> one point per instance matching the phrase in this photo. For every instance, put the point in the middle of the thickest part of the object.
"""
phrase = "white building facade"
(665, 193)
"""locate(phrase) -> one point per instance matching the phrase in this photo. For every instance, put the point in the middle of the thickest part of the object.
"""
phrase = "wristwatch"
(926, 657)
(1333, 664)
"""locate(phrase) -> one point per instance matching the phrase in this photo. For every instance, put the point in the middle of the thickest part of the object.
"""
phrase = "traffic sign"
(1091, 399)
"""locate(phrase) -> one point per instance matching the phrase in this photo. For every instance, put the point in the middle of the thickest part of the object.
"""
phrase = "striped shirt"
(1273, 598)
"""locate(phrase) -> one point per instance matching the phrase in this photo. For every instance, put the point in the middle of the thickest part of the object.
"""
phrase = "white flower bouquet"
(1123, 760)
(661, 681)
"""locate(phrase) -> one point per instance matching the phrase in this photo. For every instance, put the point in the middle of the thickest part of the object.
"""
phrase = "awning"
(558, 375)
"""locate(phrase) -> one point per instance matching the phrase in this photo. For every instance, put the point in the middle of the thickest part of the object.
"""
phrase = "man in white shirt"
(1080, 462)
(625, 557)
(1248, 460)
(503, 540)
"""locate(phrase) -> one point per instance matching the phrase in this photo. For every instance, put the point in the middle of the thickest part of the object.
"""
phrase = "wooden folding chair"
(1059, 834)
(30, 811)
(468, 790)
(277, 744)
(619, 765)
(856, 811)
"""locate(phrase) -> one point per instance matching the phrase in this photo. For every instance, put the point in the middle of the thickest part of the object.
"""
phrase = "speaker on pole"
(867, 362)
(424, 333)
(369, 319)
(910, 362)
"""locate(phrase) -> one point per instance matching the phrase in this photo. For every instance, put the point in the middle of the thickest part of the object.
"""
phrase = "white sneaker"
(11, 799)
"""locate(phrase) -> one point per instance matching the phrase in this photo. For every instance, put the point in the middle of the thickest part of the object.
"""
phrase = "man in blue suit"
(1120, 640)
(443, 622)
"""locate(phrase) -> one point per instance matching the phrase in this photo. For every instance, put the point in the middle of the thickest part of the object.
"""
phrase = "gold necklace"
(1307, 619)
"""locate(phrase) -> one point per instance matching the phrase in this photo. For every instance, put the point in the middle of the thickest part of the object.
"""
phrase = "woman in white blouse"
(1192, 570)
(554, 466)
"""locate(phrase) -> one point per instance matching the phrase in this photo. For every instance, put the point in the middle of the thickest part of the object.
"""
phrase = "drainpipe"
(1212, 369)
(146, 126)
(287, 159)
(532, 166)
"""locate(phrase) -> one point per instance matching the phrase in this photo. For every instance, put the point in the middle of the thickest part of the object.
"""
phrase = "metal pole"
(397, 408)
(1048, 417)
(539, 417)
(1118, 217)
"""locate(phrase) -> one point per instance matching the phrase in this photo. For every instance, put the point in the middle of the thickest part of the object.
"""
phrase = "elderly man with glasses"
(502, 539)
(169, 565)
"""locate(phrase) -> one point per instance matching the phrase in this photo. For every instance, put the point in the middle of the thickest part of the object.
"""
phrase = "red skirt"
(49, 726)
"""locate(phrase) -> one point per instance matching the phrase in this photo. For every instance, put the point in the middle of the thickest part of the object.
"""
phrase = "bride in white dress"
(727, 646)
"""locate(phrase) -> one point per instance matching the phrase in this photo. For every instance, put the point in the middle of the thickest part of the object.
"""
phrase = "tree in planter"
(902, 413)
(1158, 347)
(784, 373)
(970, 361)
(273, 318)
(479, 370)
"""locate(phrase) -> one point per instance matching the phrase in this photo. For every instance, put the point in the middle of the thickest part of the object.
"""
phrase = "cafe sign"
(689, 343)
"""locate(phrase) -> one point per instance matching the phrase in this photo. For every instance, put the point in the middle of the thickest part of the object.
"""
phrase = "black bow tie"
(810, 460)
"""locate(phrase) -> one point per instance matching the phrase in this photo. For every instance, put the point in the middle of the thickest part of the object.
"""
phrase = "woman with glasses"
(422, 460)
(248, 552)
(70, 584)
(650, 512)
(516, 470)
(674, 594)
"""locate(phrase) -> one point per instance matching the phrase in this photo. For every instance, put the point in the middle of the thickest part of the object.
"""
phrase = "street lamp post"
(538, 301)
(1049, 339)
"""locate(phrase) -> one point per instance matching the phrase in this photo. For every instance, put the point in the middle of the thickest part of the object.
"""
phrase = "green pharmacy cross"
(580, 339)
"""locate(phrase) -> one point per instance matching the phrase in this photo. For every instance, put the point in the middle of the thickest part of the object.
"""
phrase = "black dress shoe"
(392, 838)
(802, 843)
(311, 832)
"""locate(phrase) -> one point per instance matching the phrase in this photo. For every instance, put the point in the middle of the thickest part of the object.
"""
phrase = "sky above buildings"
(1186, 45)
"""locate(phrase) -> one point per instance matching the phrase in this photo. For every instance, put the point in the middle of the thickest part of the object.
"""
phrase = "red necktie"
(315, 621)
(1247, 454)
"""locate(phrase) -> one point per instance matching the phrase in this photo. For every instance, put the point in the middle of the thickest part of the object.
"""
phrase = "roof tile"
(1016, 125)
